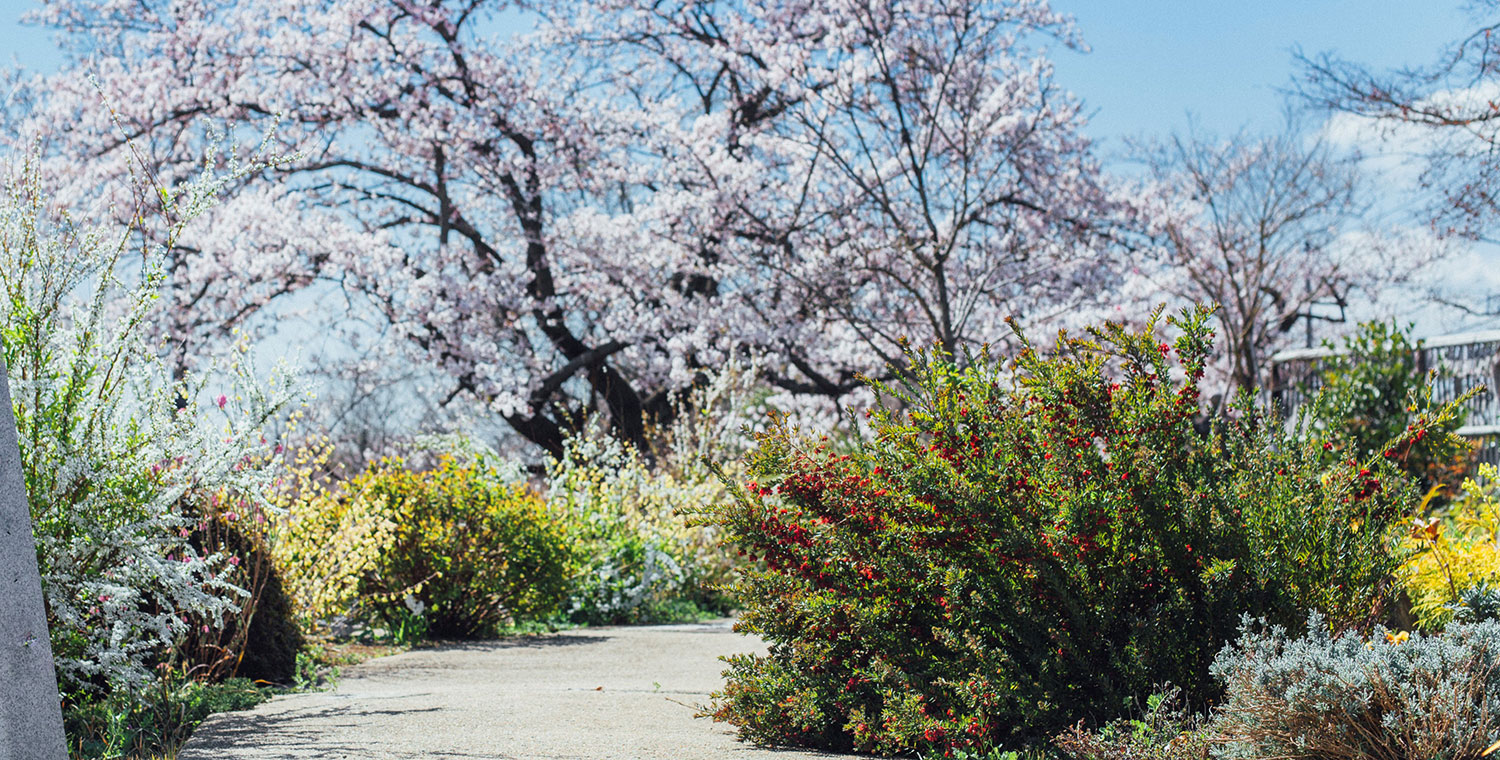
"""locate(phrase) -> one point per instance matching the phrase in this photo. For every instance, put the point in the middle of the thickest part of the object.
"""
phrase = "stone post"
(30, 712)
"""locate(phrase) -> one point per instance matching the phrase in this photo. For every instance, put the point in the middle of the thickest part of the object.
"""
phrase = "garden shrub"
(1395, 696)
(1455, 562)
(646, 556)
(1477, 603)
(273, 639)
(1368, 396)
(640, 560)
(110, 444)
(1016, 546)
(262, 639)
(452, 552)
(320, 548)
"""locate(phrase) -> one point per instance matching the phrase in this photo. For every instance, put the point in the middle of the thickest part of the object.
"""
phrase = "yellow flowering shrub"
(320, 542)
(456, 549)
(1454, 551)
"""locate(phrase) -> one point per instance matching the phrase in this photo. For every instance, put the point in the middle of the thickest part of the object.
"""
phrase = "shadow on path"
(627, 692)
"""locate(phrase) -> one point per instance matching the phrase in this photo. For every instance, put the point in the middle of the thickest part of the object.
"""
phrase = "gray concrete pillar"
(30, 713)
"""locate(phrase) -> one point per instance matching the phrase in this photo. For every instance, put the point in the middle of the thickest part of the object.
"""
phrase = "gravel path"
(589, 693)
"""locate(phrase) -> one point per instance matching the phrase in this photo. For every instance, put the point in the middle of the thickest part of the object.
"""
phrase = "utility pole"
(1334, 299)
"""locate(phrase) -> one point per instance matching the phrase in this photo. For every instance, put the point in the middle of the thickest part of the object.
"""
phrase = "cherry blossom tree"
(583, 219)
(1273, 229)
(890, 169)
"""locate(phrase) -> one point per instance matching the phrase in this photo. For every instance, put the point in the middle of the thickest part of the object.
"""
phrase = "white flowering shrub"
(110, 445)
(625, 514)
(648, 558)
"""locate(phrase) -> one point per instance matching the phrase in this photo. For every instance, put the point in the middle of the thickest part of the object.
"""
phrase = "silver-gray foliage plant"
(1393, 695)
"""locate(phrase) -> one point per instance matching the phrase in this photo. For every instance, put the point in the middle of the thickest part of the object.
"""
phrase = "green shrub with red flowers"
(1371, 390)
(1019, 545)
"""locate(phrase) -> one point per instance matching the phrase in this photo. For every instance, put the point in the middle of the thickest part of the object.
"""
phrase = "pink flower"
(234, 560)
(222, 400)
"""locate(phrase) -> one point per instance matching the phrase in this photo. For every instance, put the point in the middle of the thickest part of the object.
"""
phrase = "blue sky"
(27, 45)
(1153, 61)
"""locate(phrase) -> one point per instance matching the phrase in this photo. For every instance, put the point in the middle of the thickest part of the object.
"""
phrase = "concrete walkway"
(589, 693)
